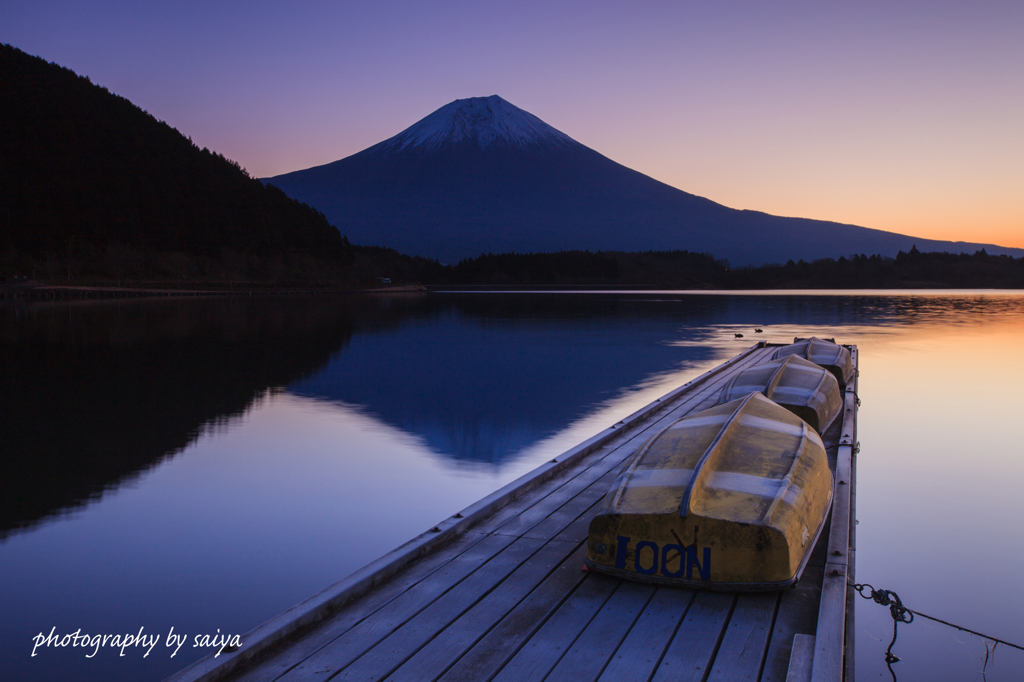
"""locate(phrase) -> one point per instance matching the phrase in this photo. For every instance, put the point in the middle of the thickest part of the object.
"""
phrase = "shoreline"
(34, 291)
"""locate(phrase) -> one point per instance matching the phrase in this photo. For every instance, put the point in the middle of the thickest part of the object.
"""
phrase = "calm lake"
(206, 464)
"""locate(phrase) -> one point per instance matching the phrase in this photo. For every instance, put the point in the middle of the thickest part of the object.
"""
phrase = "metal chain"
(902, 614)
(899, 613)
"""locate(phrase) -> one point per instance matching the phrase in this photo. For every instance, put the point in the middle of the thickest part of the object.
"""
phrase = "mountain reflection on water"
(242, 454)
(446, 376)
(98, 392)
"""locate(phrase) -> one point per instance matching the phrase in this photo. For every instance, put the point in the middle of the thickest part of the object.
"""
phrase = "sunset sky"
(902, 116)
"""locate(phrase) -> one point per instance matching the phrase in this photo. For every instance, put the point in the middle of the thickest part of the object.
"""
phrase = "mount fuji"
(481, 175)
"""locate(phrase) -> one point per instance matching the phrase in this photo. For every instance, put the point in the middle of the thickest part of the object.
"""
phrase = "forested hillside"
(91, 184)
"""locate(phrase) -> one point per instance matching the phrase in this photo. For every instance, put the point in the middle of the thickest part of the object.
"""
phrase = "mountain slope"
(481, 175)
(82, 166)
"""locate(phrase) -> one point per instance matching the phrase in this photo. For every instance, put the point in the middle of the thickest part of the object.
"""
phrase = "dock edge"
(834, 640)
(307, 613)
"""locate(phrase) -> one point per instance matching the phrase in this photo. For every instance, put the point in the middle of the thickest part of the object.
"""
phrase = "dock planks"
(497, 592)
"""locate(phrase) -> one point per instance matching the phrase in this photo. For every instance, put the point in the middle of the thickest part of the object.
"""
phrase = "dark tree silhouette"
(84, 169)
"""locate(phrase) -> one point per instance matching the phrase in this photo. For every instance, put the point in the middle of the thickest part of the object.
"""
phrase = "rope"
(902, 614)
(973, 632)
(898, 611)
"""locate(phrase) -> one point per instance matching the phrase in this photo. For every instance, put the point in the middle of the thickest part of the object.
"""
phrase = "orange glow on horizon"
(983, 209)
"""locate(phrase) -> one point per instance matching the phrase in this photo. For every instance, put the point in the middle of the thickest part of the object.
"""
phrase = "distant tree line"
(688, 270)
(910, 270)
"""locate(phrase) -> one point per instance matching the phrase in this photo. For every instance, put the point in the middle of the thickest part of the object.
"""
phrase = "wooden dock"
(496, 592)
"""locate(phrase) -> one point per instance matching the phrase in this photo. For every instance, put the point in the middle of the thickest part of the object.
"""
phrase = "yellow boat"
(807, 390)
(731, 498)
(824, 352)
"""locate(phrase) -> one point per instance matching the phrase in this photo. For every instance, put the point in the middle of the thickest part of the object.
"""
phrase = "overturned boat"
(824, 352)
(731, 498)
(804, 388)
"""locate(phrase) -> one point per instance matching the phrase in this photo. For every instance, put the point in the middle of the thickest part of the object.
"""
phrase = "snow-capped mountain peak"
(486, 120)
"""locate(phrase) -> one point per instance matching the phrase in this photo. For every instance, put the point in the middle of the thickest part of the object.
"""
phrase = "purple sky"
(905, 116)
